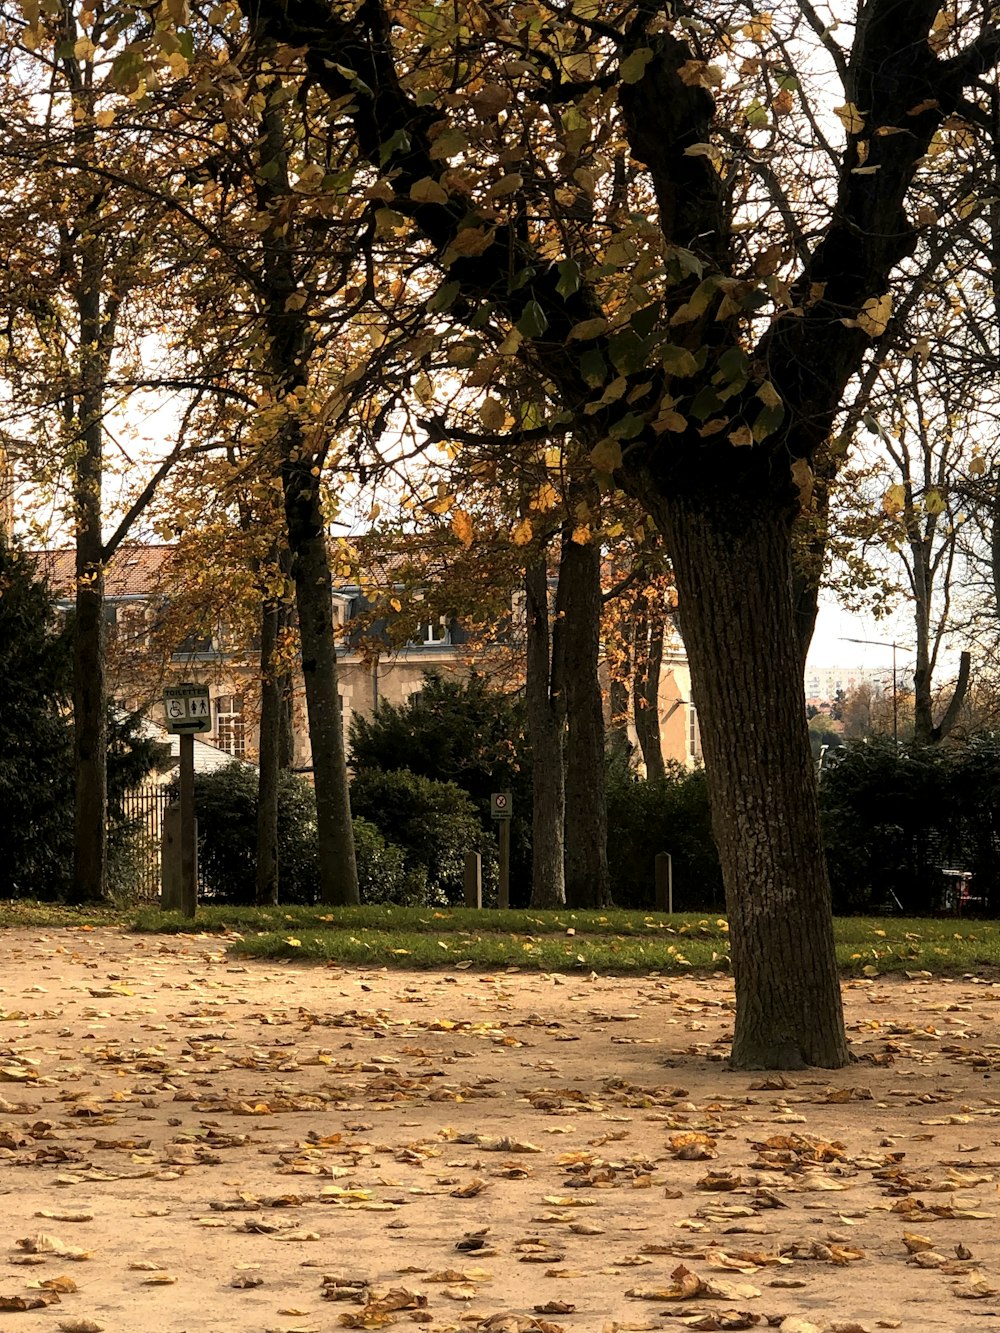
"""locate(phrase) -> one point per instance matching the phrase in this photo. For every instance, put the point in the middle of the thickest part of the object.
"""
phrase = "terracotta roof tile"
(134, 570)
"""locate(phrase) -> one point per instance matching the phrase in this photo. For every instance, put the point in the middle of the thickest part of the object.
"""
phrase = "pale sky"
(834, 626)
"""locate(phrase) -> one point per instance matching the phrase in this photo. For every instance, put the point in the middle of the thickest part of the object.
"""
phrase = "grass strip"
(433, 920)
(612, 941)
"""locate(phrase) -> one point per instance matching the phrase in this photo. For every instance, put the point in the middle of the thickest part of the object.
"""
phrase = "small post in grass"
(501, 809)
(188, 710)
(473, 879)
(663, 869)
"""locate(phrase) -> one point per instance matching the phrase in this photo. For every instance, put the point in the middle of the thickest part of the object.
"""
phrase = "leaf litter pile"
(191, 1144)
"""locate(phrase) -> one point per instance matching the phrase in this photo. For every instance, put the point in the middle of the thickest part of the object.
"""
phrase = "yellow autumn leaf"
(523, 532)
(607, 455)
(428, 191)
(758, 28)
(769, 395)
(850, 117)
(546, 498)
(802, 476)
(587, 329)
(493, 414)
(873, 317)
(461, 526)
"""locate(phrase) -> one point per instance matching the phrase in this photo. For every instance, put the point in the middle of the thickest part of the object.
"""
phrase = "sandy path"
(227, 1121)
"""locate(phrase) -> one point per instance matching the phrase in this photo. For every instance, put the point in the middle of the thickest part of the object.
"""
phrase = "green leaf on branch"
(444, 297)
(706, 403)
(569, 277)
(398, 142)
(593, 368)
(633, 67)
(767, 421)
(533, 322)
(628, 352)
(678, 361)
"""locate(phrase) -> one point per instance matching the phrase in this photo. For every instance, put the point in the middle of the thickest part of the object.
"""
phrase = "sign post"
(501, 809)
(189, 710)
(664, 876)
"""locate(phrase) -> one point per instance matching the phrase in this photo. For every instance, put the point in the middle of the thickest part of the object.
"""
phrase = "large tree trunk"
(579, 608)
(733, 569)
(546, 715)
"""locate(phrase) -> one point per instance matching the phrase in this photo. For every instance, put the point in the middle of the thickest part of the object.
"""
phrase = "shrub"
(226, 804)
(435, 824)
(668, 814)
(382, 873)
(36, 744)
(460, 731)
(894, 816)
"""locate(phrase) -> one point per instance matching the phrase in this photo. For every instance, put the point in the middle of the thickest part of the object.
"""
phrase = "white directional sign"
(188, 708)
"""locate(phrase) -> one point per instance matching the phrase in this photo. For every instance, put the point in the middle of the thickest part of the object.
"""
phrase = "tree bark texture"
(546, 722)
(578, 608)
(734, 574)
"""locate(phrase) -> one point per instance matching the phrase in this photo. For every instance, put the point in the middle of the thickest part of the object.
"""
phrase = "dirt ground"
(201, 1144)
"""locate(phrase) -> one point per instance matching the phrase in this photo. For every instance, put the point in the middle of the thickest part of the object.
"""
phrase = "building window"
(694, 735)
(133, 626)
(230, 726)
(434, 631)
(194, 644)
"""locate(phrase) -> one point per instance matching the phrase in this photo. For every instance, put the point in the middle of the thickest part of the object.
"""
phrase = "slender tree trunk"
(734, 574)
(579, 607)
(314, 603)
(274, 750)
(90, 709)
(268, 752)
(290, 345)
(546, 716)
(650, 628)
(286, 701)
(90, 718)
(925, 730)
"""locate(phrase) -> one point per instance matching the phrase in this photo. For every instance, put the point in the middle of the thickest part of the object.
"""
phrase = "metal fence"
(143, 809)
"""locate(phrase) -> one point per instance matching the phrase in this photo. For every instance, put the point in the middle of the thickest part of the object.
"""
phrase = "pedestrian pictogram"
(188, 709)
